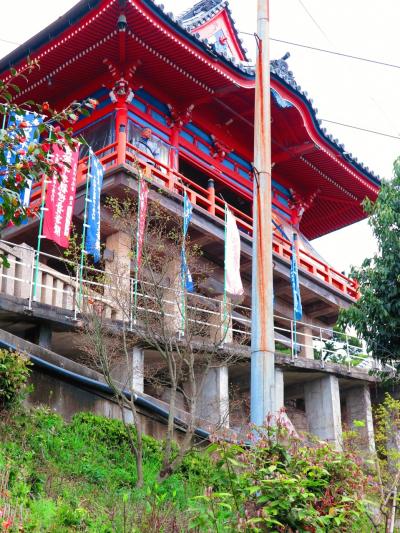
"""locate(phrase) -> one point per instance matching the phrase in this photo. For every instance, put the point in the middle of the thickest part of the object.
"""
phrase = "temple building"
(189, 79)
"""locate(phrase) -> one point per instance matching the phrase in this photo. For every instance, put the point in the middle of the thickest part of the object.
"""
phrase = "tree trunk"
(164, 472)
(390, 523)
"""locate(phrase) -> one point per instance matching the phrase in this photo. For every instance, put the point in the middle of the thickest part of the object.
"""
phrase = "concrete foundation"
(131, 373)
(213, 401)
(358, 407)
(322, 402)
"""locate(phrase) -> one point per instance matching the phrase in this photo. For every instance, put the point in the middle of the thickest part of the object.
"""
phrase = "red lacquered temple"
(189, 79)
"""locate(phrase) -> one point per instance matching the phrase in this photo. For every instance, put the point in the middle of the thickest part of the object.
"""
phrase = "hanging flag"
(95, 177)
(294, 278)
(142, 213)
(30, 131)
(60, 196)
(233, 281)
(187, 280)
(28, 134)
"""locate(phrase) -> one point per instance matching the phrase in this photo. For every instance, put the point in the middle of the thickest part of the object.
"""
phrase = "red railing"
(124, 153)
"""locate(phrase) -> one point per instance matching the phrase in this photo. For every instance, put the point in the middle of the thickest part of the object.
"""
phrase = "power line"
(9, 42)
(314, 21)
(349, 56)
(383, 134)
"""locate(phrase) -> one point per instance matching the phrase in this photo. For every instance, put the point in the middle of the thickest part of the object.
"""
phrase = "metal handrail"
(97, 282)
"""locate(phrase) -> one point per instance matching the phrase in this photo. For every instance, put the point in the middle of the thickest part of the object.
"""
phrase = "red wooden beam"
(293, 151)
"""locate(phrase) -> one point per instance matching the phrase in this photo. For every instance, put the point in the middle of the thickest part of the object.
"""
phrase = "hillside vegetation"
(79, 476)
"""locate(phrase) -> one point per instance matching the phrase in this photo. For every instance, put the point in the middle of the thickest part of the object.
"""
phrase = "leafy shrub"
(105, 430)
(14, 374)
(281, 487)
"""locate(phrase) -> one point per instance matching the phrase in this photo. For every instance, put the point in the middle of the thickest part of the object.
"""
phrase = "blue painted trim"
(228, 164)
(204, 148)
(200, 133)
(186, 136)
(240, 160)
(150, 99)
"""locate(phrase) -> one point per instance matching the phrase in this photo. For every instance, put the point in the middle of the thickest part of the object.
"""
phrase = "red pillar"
(173, 153)
(121, 124)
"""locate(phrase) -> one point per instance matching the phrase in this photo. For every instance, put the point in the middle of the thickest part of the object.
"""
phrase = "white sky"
(343, 90)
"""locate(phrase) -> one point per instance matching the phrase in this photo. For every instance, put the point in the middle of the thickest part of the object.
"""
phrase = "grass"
(80, 476)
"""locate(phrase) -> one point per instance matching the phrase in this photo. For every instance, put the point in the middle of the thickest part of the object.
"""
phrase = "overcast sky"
(348, 91)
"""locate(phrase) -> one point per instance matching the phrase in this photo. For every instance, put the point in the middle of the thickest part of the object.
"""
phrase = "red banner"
(60, 196)
(143, 195)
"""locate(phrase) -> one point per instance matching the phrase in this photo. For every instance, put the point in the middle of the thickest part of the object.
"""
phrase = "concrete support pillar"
(173, 298)
(358, 407)
(130, 374)
(279, 389)
(44, 336)
(8, 277)
(24, 271)
(213, 400)
(305, 339)
(118, 270)
(138, 369)
(221, 321)
(322, 402)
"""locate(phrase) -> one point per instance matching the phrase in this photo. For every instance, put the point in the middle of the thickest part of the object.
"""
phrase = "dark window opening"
(234, 199)
(98, 135)
(194, 173)
(199, 176)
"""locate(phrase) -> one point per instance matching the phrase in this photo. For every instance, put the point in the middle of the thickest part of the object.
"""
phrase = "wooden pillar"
(211, 196)
(121, 124)
(174, 150)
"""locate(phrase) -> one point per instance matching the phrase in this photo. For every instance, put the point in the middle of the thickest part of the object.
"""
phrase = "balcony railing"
(124, 153)
(98, 291)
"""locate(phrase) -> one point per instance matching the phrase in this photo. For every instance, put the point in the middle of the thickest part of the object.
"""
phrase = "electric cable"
(341, 54)
(359, 128)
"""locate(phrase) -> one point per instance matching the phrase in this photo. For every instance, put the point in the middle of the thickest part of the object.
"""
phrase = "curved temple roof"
(75, 44)
(205, 11)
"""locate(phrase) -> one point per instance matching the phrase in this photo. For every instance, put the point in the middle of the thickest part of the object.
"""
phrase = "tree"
(20, 163)
(376, 315)
(387, 459)
(187, 332)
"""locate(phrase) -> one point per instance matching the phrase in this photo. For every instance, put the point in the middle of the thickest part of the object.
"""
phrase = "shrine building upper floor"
(195, 90)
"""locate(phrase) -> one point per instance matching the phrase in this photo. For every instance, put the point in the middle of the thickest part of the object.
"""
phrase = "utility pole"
(262, 311)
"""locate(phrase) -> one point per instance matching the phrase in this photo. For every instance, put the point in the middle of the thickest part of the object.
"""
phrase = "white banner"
(233, 280)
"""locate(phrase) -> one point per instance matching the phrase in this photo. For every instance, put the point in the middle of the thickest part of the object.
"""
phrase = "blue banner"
(294, 278)
(30, 132)
(187, 215)
(95, 177)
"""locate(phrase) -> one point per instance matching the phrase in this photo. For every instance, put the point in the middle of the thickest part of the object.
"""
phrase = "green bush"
(58, 476)
(282, 487)
(14, 374)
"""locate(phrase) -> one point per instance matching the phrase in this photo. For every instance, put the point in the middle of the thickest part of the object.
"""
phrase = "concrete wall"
(67, 399)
